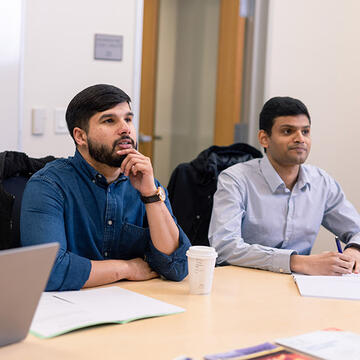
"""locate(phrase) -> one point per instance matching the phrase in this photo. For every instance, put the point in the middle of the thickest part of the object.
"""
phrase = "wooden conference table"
(246, 307)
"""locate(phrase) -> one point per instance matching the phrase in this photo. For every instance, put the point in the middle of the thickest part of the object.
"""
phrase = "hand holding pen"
(349, 250)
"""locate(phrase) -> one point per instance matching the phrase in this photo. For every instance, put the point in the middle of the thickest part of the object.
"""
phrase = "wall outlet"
(60, 122)
(38, 121)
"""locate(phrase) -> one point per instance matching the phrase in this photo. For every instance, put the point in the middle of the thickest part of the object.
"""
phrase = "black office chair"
(192, 186)
(15, 170)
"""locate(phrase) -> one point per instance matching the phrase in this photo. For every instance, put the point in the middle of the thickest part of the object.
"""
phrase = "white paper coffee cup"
(201, 261)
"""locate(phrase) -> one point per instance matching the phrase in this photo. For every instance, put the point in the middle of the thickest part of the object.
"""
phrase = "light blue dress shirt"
(258, 222)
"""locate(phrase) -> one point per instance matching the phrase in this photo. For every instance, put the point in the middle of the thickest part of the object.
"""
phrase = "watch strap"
(158, 196)
(150, 199)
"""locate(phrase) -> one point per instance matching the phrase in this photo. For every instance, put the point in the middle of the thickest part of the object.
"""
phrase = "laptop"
(24, 273)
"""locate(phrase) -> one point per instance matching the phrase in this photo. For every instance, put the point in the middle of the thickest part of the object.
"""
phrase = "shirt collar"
(82, 165)
(303, 178)
(271, 176)
(274, 180)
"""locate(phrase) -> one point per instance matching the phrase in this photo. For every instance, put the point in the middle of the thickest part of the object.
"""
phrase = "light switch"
(38, 121)
(60, 122)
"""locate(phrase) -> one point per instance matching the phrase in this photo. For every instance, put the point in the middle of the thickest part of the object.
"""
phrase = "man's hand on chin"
(139, 170)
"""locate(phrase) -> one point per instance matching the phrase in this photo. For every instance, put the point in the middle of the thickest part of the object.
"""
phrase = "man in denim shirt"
(111, 217)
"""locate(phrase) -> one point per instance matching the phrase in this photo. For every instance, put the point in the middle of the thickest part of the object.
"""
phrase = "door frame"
(148, 74)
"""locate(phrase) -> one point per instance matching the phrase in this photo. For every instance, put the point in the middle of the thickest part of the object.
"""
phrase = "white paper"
(327, 345)
(338, 287)
(60, 312)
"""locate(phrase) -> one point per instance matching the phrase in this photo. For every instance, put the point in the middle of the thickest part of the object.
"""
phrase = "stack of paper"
(327, 345)
(338, 287)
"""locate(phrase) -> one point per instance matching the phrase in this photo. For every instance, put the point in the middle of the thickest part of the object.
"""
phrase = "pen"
(338, 244)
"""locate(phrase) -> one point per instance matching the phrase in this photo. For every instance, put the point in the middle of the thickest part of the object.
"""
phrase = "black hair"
(280, 106)
(94, 99)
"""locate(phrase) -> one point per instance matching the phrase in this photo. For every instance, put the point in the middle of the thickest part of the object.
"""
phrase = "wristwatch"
(159, 196)
(354, 245)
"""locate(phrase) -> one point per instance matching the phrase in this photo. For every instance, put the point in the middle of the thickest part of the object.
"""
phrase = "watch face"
(161, 193)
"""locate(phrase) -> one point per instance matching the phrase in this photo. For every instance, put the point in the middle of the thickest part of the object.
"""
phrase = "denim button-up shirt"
(258, 222)
(68, 201)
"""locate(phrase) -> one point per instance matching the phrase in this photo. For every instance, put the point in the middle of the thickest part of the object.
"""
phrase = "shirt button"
(110, 222)
(93, 180)
(105, 253)
(281, 270)
(287, 239)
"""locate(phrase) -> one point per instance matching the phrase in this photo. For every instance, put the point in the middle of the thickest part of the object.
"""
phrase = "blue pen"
(338, 244)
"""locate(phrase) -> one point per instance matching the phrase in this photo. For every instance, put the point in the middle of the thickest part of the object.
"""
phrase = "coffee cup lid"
(201, 251)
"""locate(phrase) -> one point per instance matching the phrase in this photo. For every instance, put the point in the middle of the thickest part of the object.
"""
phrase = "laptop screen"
(24, 273)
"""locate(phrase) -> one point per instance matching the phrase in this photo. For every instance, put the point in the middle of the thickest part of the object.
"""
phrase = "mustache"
(124, 137)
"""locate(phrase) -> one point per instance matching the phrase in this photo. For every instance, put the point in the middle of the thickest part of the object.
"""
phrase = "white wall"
(58, 60)
(314, 54)
(10, 71)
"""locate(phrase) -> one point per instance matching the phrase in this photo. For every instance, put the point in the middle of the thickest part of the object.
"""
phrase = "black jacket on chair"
(192, 186)
(15, 169)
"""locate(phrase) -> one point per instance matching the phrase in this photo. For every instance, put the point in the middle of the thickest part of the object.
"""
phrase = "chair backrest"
(192, 186)
(15, 170)
(15, 187)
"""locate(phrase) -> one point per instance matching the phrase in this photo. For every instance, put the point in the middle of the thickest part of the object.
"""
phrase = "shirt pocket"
(133, 242)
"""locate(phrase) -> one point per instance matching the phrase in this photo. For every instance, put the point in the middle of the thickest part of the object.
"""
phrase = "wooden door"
(230, 68)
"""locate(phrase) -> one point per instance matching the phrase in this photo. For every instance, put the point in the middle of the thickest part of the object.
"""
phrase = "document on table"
(327, 345)
(337, 287)
(61, 312)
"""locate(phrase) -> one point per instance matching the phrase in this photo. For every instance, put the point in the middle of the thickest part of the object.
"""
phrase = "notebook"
(23, 276)
(336, 287)
(61, 312)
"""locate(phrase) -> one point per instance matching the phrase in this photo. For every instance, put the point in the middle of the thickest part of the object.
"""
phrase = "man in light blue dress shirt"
(267, 212)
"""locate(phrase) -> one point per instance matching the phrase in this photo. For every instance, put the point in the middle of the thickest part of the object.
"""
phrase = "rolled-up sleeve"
(174, 266)
(42, 221)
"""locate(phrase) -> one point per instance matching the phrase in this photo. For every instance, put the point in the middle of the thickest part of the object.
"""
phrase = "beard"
(108, 156)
